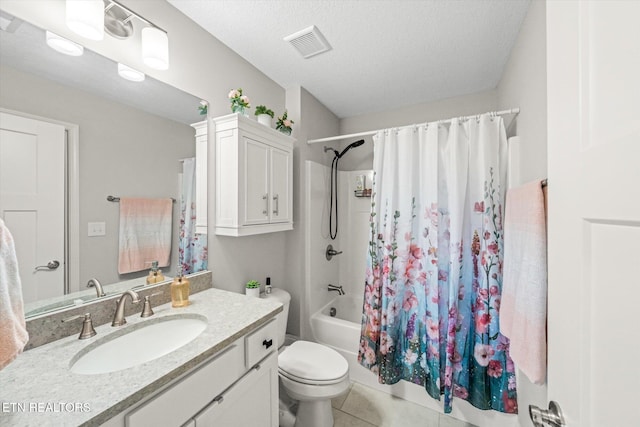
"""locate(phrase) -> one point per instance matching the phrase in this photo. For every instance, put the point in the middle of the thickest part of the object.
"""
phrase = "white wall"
(320, 272)
(353, 232)
(524, 85)
(312, 120)
(362, 157)
(122, 152)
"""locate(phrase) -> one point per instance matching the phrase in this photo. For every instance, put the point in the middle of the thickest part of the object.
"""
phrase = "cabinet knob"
(267, 344)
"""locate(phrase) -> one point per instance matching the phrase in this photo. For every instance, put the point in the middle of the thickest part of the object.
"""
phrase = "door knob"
(51, 265)
(547, 417)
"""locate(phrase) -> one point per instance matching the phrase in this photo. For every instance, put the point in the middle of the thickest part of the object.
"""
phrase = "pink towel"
(145, 233)
(13, 331)
(523, 311)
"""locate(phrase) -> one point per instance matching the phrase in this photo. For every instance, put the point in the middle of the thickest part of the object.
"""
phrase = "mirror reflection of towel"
(13, 332)
(145, 233)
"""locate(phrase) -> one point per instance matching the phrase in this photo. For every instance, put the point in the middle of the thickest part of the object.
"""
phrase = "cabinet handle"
(266, 204)
(277, 209)
(267, 344)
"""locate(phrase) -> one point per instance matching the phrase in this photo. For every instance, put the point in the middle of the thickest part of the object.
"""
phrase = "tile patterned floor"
(365, 407)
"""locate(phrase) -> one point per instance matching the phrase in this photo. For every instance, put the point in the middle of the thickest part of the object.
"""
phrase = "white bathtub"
(341, 332)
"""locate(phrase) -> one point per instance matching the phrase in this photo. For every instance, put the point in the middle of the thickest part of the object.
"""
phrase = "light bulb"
(86, 18)
(63, 45)
(155, 48)
(129, 73)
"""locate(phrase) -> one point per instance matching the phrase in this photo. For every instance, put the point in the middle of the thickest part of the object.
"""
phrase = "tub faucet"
(118, 317)
(93, 282)
(335, 288)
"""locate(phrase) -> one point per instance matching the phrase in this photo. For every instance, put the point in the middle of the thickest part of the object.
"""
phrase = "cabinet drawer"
(180, 401)
(251, 402)
(260, 343)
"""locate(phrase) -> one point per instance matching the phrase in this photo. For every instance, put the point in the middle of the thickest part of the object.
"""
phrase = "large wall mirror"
(125, 139)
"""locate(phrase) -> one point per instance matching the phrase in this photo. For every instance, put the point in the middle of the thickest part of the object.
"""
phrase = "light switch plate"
(96, 229)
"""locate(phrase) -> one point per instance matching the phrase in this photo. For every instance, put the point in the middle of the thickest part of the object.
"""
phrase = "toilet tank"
(284, 297)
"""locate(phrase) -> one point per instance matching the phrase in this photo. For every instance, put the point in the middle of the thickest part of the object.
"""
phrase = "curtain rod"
(373, 132)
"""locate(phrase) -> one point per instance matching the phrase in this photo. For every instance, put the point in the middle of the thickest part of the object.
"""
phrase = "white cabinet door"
(252, 401)
(256, 175)
(202, 144)
(281, 185)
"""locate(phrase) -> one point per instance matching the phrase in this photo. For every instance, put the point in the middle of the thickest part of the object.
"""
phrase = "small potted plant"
(264, 115)
(284, 124)
(252, 288)
(203, 107)
(239, 102)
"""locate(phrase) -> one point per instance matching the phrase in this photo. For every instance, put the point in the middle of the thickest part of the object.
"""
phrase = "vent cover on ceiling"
(309, 42)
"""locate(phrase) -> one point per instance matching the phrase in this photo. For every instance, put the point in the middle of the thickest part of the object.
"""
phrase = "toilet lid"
(309, 362)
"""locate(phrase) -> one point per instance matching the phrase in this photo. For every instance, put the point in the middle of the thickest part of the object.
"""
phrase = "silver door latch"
(547, 417)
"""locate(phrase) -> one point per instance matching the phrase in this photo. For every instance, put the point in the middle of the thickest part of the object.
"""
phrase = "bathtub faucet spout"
(335, 288)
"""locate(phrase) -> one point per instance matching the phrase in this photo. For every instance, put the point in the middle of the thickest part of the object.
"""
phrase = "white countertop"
(38, 389)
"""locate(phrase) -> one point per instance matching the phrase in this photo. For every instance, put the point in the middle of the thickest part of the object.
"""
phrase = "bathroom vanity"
(228, 372)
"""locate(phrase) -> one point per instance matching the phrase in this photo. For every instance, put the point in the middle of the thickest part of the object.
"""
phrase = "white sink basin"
(141, 343)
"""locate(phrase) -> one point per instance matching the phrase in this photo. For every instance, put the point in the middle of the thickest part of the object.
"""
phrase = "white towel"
(523, 311)
(145, 233)
(13, 331)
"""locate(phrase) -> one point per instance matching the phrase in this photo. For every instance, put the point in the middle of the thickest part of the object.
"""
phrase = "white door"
(593, 61)
(256, 176)
(32, 201)
(280, 185)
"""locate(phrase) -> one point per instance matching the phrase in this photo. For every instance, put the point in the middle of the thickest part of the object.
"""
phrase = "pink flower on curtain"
(494, 369)
(482, 354)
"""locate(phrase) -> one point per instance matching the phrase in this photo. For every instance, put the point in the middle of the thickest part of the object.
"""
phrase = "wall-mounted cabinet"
(253, 177)
(202, 143)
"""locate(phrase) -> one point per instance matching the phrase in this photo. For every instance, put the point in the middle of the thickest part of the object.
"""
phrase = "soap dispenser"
(180, 291)
(155, 274)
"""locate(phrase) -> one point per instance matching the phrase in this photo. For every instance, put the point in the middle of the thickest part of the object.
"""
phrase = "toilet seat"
(314, 364)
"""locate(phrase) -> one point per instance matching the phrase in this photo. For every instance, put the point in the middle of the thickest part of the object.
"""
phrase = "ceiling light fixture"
(129, 73)
(86, 18)
(155, 48)
(63, 45)
(92, 18)
(154, 40)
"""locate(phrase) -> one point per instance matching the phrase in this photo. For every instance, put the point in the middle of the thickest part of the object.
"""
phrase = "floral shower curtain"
(193, 247)
(434, 274)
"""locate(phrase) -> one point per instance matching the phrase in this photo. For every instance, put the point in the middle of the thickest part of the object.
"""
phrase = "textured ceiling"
(386, 54)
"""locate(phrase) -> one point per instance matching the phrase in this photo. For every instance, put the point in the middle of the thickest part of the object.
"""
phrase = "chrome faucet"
(335, 288)
(118, 317)
(93, 282)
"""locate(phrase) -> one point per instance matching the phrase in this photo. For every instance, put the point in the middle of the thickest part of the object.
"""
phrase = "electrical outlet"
(96, 229)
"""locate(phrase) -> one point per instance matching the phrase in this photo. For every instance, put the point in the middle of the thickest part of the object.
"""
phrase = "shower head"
(349, 147)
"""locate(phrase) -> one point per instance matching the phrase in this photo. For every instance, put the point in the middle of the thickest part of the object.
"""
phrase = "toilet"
(310, 373)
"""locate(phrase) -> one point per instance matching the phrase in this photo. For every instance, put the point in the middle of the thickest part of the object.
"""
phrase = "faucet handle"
(87, 325)
(147, 311)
